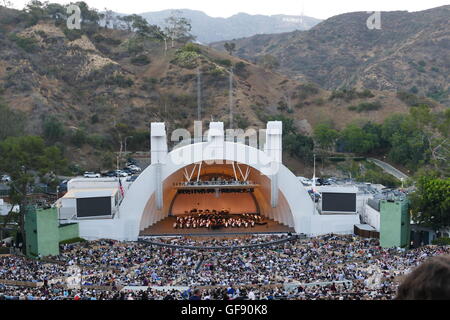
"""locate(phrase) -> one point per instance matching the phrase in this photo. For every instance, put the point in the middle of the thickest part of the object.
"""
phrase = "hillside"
(409, 53)
(95, 83)
(211, 29)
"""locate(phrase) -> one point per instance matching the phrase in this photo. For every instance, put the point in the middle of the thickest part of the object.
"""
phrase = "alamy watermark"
(74, 20)
(218, 146)
(374, 21)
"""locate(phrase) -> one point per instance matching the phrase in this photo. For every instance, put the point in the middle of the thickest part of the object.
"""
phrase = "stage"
(165, 227)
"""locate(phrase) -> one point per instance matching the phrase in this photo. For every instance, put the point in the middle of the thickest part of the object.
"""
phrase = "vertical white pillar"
(158, 140)
(273, 148)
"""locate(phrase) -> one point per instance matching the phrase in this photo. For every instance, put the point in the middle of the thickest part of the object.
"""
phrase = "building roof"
(90, 193)
(365, 227)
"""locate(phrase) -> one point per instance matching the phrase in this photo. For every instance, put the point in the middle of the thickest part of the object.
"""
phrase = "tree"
(230, 47)
(127, 21)
(143, 29)
(430, 202)
(56, 12)
(299, 146)
(24, 159)
(109, 18)
(355, 139)
(178, 28)
(296, 144)
(325, 136)
(53, 130)
(35, 10)
(6, 3)
(269, 62)
(419, 138)
(12, 123)
(434, 128)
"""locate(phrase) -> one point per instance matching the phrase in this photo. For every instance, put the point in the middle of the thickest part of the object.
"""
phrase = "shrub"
(27, 44)
(98, 141)
(53, 130)
(441, 241)
(110, 41)
(217, 72)
(140, 60)
(350, 94)
(224, 62)
(120, 81)
(190, 47)
(242, 122)
(411, 99)
(4, 250)
(306, 90)
(240, 69)
(437, 93)
(134, 46)
(94, 119)
(73, 240)
(366, 93)
(186, 59)
(366, 106)
(336, 159)
(149, 84)
(72, 34)
(319, 101)
(78, 138)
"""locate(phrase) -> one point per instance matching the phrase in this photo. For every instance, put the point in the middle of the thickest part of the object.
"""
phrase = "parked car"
(305, 181)
(91, 175)
(128, 171)
(110, 174)
(134, 168)
(132, 178)
(62, 187)
(5, 178)
(131, 161)
(121, 173)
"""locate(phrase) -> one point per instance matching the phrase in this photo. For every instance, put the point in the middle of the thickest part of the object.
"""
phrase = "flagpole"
(314, 185)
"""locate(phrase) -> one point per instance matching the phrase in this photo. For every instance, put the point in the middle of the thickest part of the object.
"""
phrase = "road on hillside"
(389, 169)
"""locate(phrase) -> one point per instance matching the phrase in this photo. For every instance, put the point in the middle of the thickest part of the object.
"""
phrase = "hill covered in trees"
(86, 91)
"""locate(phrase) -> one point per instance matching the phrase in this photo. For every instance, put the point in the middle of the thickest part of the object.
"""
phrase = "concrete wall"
(372, 217)
(335, 223)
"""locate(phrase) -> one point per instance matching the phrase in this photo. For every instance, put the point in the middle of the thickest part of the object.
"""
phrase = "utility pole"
(231, 98)
(126, 144)
(314, 185)
(199, 96)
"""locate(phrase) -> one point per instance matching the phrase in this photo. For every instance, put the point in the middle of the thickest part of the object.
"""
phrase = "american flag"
(121, 188)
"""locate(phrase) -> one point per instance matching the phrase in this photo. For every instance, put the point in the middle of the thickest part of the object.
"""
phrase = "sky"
(321, 9)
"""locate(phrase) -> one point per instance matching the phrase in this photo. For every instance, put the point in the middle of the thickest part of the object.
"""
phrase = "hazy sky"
(314, 8)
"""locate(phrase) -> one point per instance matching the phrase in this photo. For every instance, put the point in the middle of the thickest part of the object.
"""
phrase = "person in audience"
(429, 281)
(197, 295)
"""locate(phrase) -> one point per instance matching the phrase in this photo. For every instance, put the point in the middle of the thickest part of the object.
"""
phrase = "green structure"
(44, 233)
(395, 223)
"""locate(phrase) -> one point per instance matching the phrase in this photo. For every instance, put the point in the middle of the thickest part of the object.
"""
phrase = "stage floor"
(165, 227)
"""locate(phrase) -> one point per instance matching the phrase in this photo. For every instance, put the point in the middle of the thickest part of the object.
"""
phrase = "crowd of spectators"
(326, 267)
